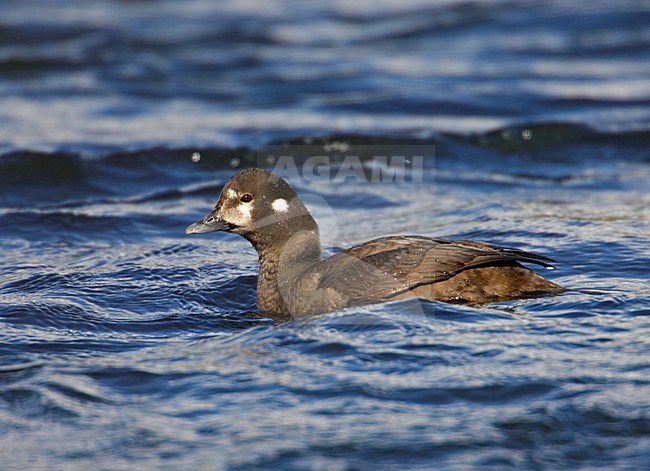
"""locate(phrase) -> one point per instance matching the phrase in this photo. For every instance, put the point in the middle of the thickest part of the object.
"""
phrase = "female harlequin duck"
(294, 281)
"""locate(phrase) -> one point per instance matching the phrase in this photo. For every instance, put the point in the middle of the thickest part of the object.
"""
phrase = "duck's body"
(295, 281)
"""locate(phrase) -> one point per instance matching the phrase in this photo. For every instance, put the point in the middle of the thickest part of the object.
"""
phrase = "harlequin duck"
(294, 281)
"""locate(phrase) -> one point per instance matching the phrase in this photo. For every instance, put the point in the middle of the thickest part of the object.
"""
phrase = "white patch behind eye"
(280, 205)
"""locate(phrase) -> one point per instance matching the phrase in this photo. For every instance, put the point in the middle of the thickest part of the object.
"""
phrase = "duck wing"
(381, 268)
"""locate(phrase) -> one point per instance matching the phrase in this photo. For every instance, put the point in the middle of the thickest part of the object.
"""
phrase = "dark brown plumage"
(294, 281)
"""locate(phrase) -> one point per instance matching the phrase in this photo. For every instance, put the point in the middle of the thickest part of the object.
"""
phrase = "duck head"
(260, 206)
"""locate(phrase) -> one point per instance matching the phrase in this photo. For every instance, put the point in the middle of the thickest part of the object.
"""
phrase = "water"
(125, 344)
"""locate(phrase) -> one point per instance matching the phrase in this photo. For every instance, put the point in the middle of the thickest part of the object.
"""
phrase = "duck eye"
(246, 198)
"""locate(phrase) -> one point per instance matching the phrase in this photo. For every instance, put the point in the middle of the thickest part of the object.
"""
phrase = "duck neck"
(282, 262)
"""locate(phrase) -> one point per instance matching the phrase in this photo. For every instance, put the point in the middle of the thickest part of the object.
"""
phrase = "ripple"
(117, 332)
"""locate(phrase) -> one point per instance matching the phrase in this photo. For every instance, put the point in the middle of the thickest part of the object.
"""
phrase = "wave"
(27, 166)
(73, 179)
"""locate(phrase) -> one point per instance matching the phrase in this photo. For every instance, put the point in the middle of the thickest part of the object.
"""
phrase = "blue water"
(125, 344)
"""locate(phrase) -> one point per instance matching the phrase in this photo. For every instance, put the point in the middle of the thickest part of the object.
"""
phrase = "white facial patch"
(245, 210)
(280, 205)
(231, 193)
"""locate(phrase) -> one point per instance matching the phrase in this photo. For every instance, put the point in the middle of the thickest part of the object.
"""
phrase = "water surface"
(125, 344)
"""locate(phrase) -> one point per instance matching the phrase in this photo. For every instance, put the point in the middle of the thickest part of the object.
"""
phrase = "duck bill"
(211, 223)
